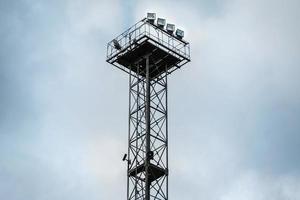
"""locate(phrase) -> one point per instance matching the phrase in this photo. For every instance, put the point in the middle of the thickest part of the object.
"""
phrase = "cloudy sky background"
(234, 111)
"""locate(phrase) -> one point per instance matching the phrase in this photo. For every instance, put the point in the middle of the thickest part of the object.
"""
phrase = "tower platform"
(155, 172)
(128, 50)
(161, 60)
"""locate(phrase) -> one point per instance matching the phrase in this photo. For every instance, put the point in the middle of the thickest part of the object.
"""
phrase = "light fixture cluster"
(161, 23)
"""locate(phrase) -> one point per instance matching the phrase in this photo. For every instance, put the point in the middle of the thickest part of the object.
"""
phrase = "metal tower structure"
(148, 53)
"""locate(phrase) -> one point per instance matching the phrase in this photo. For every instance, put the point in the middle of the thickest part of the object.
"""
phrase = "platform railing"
(144, 28)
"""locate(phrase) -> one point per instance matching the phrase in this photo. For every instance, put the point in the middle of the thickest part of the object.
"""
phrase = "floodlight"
(161, 22)
(151, 17)
(117, 44)
(170, 28)
(179, 33)
(150, 155)
(124, 157)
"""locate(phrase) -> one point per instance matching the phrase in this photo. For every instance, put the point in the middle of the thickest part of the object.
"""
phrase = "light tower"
(148, 51)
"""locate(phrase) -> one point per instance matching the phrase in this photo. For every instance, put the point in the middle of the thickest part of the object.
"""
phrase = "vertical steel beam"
(148, 129)
(128, 150)
(167, 130)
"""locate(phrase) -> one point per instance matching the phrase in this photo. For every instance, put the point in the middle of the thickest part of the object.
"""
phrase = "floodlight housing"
(179, 33)
(117, 44)
(150, 155)
(170, 28)
(151, 17)
(161, 22)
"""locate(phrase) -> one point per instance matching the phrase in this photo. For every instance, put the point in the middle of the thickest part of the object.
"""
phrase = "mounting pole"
(148, 129)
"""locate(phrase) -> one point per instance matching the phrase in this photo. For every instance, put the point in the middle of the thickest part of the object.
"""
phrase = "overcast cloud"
(234, 111)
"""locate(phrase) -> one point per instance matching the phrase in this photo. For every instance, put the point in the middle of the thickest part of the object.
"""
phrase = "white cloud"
(222, 104)
(251, 185)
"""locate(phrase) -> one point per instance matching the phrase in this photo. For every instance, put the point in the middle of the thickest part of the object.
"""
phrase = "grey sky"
(234, 110)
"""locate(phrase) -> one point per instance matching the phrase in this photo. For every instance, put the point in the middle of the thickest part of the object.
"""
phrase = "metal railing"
(158, 35)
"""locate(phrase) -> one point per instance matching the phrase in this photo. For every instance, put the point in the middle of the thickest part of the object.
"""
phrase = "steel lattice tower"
(148, 53)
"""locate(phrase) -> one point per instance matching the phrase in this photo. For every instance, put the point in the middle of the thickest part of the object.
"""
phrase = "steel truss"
(148, 53)
(148, 134)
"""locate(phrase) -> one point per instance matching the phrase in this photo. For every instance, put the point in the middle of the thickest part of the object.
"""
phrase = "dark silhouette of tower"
(148, 51)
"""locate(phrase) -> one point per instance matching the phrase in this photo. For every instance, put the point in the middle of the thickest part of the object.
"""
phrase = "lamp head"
(179, 33)
(170, 28)
(151, 17)
(161, 22)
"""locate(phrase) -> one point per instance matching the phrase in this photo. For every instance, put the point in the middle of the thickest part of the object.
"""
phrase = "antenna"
(124, 157)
